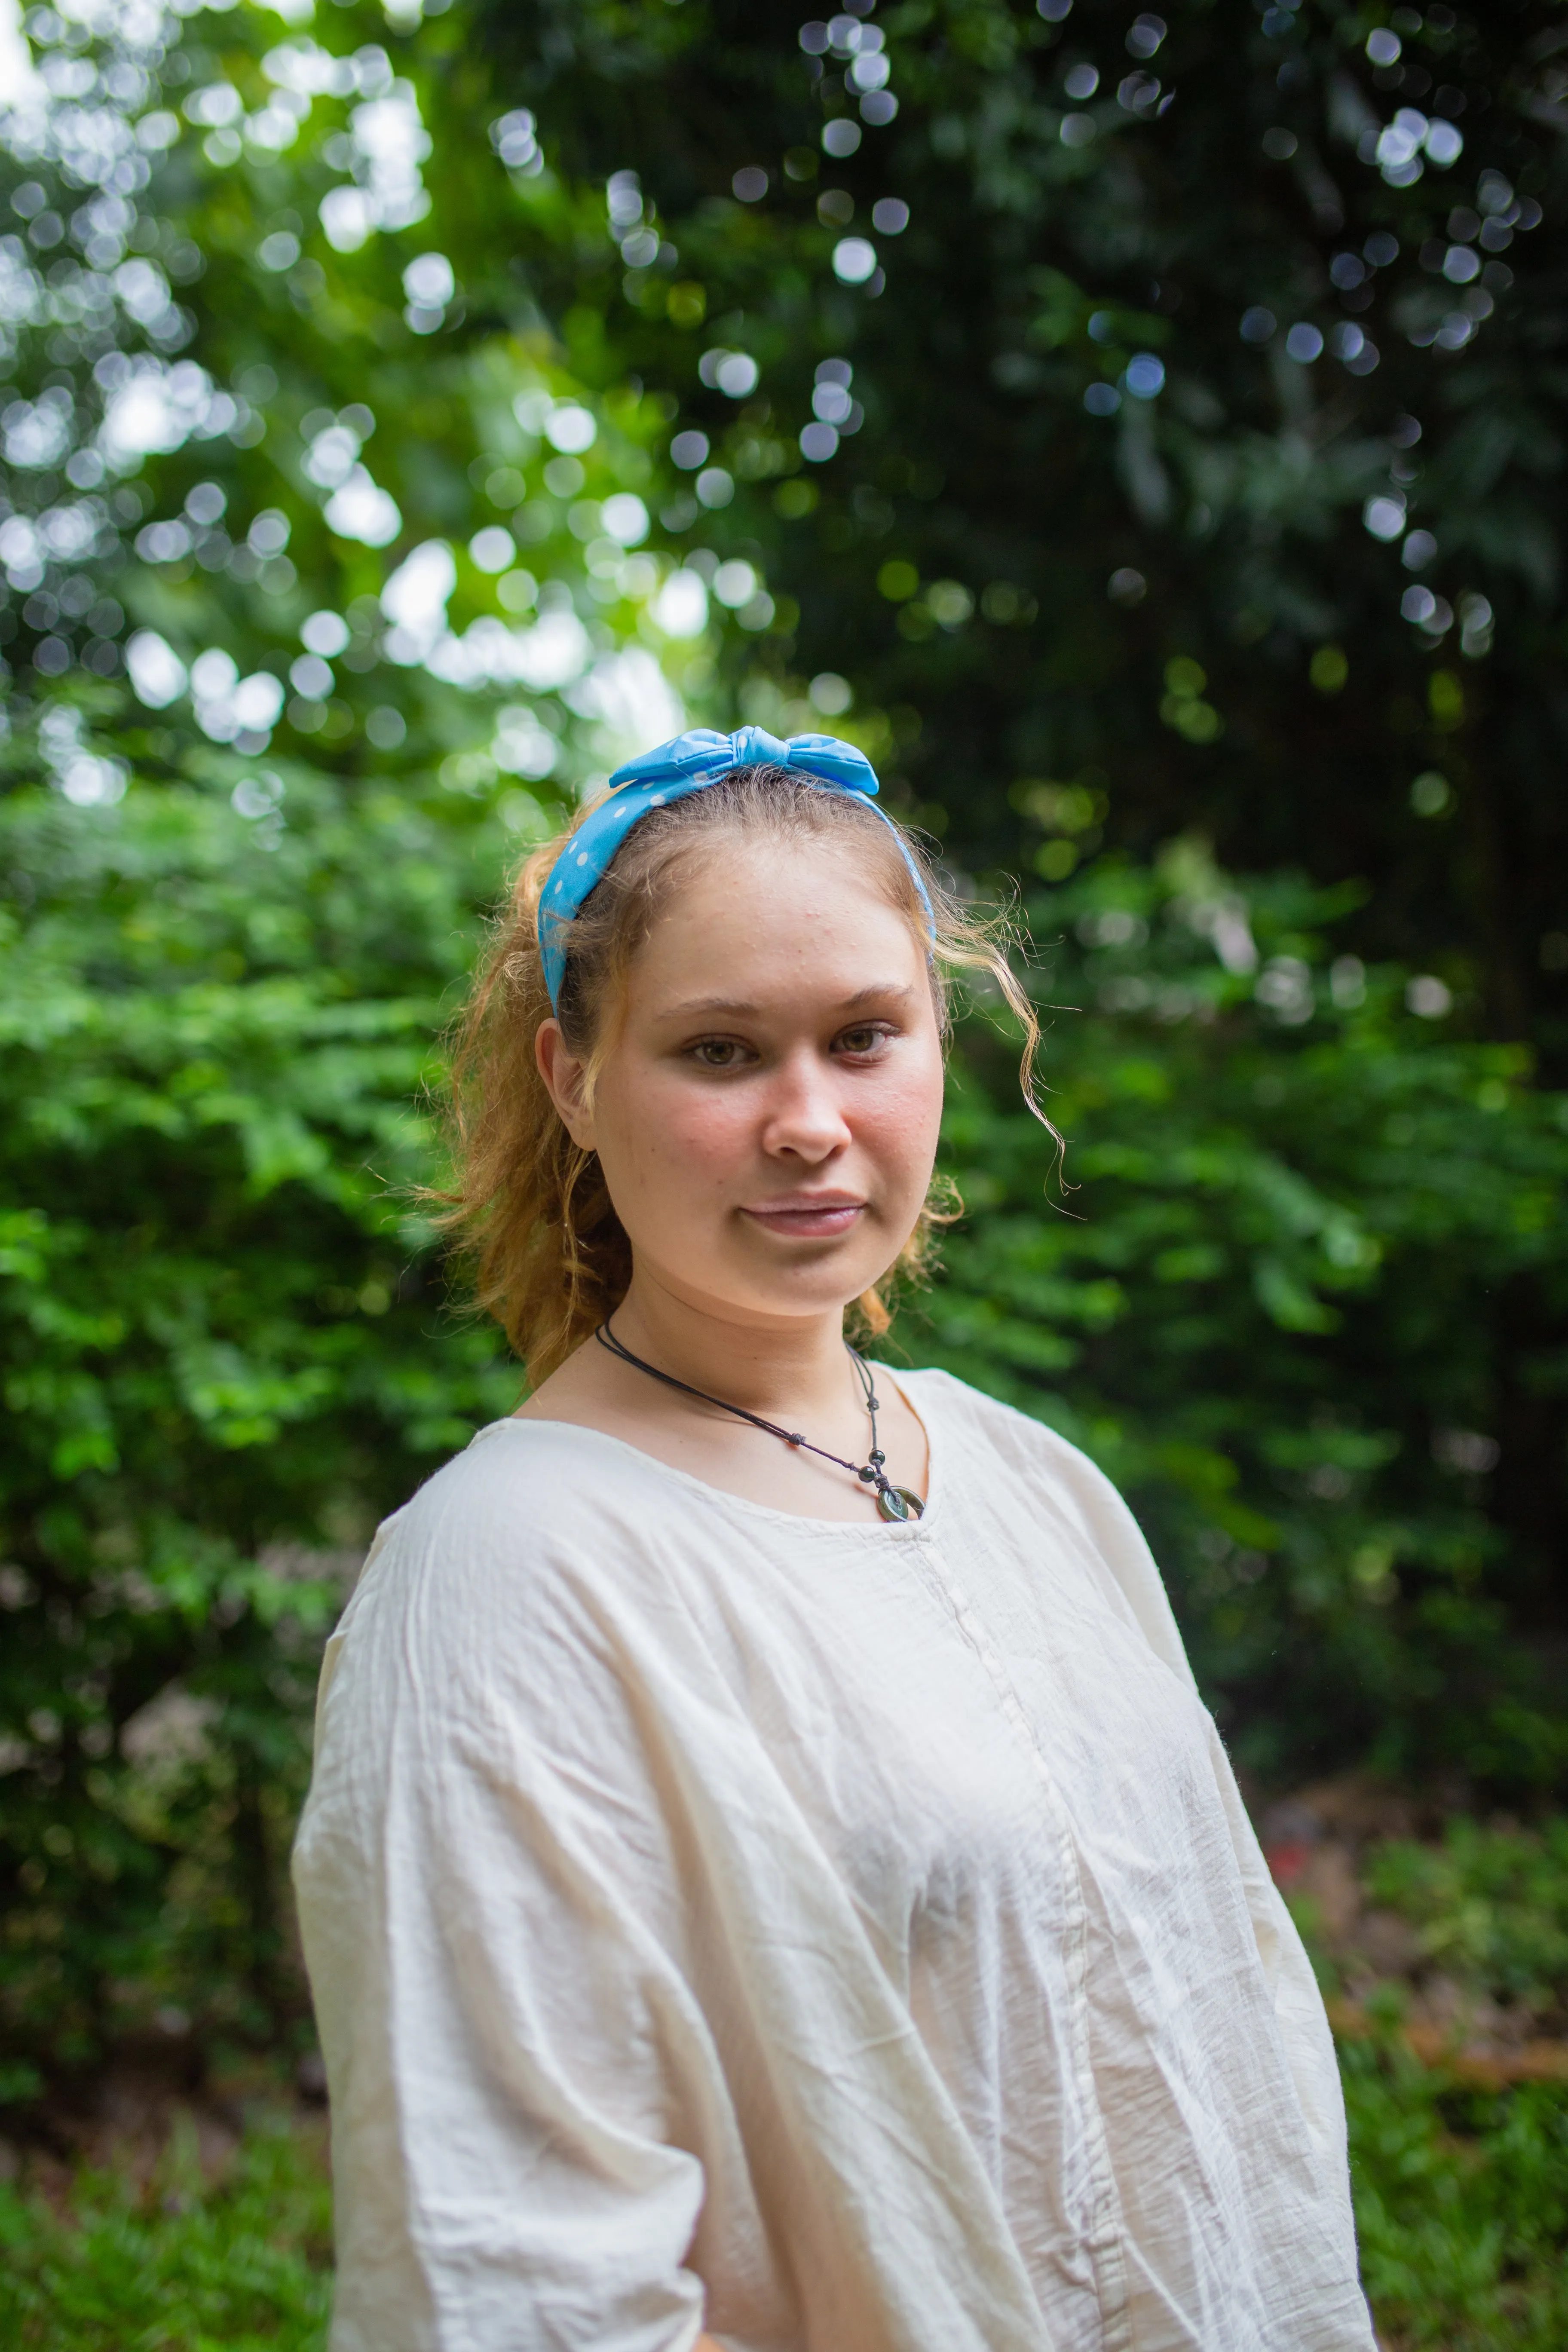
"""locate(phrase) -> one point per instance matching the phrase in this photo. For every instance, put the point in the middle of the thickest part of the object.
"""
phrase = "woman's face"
(766, 1117)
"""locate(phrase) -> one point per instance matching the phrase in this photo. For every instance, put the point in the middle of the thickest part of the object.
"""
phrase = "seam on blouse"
(1106, 2246)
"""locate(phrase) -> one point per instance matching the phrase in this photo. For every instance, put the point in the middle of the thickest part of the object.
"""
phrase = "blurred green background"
(1146, 439)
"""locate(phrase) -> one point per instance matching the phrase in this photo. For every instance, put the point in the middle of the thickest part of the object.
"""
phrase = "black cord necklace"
(893, 1502)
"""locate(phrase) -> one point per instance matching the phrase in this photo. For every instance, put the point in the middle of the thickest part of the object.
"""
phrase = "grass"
(176, 2264)
(1461, 2206)
(1489, 1904)
(1461, 2191)
(1459, 1947)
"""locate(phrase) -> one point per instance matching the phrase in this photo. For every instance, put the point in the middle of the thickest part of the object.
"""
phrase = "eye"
(867, 1037)
(718, 1052)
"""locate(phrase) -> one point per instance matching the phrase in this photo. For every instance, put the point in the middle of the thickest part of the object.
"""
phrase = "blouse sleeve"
(1299, 2010)
(512, 2051)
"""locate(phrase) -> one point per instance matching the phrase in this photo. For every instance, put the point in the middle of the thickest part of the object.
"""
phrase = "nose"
(803, 1119)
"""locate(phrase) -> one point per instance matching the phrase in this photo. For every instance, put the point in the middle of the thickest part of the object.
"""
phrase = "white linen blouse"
(842, 1937)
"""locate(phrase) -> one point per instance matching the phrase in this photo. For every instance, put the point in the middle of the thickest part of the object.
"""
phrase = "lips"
(805, 1216)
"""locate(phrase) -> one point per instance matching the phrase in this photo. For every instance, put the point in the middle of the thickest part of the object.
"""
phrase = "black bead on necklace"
(900, 1502)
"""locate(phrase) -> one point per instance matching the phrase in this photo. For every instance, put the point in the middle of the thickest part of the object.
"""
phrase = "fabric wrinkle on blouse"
(842, 1937)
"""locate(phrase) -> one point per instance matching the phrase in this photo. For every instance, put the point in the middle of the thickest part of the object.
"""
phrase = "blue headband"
(667, 773)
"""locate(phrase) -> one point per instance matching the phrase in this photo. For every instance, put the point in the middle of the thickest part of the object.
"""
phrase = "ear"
(564, 1072)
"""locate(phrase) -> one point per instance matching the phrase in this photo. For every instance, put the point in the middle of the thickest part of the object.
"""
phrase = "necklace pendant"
(899, 1503)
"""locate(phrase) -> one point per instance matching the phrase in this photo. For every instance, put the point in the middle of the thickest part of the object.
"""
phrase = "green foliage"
(1461, 2202)
(176, 2262)
(1307, 1299)
(1491, 1907)
(326, 416)
(227, 1346)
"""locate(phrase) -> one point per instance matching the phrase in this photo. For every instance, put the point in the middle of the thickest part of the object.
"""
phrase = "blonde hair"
(529, 1207)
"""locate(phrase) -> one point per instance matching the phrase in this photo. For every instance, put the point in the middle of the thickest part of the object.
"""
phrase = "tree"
(1178, 347)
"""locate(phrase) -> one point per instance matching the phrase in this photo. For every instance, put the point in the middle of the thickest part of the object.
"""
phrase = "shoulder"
(526, 1524)
(517, 1600)
(507, 1629)
(1053, 1480)
(1025, 1446)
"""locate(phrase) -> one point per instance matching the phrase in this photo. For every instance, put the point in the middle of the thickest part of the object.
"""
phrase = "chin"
(776, 1294)
(829, 1294)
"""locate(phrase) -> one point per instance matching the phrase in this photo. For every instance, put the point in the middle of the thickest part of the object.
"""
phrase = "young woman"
(769, 1879)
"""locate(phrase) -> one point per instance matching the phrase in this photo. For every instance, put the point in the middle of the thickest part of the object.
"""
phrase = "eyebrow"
(879, 992)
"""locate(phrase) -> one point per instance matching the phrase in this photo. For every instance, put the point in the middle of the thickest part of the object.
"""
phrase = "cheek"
(663, 1130)
(897, 1118)
(907, 1122)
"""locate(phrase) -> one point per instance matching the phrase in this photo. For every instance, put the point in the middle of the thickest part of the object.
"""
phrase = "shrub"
(228, 1352)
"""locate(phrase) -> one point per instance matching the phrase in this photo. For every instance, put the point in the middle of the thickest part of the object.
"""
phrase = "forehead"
(758, 917)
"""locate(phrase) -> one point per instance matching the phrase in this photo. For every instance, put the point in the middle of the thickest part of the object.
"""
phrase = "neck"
(776, 1369)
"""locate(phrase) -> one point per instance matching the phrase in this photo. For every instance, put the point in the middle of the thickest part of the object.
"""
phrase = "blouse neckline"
(905, 1531)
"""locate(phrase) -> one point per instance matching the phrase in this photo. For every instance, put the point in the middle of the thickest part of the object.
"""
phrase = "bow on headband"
(669, 772)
